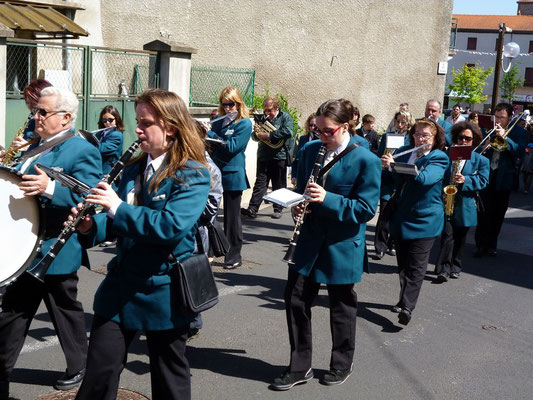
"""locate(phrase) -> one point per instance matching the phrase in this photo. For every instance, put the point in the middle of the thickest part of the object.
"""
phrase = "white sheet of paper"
(395, 141)
(284, 197)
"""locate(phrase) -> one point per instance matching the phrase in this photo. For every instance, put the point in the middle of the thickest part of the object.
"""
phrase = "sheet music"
(284, 197)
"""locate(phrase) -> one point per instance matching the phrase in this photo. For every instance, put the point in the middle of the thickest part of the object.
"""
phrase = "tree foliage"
(510, 82)
(467, 84)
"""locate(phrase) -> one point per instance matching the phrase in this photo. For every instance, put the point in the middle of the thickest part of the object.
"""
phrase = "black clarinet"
(289, 256)
(39, 270)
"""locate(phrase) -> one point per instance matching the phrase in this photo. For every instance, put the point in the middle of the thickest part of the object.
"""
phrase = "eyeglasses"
(426, 136)
(104, 120)
(329, 132)
(228, 105)
(43, 113)
(465, 138)
(401, 122)
(312, 126)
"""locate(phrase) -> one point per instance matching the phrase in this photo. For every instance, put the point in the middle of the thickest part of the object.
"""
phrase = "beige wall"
(384, 52)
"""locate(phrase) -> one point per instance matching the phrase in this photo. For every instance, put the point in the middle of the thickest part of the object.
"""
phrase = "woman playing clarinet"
(471, 176)
(418, 216)
(160, 199)
(331, 244)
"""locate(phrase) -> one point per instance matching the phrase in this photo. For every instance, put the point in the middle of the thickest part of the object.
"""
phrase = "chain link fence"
(207, 83)
(121, 73)
(62, 65)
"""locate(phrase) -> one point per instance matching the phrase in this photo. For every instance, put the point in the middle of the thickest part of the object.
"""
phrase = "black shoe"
(454, 275)
(288, 379)
(379, 255)
(404, 316)
(396, 309)
(193, 333)
(232, 265)
(478, 253)
(276, 215)
(67, 382)
(336, 376)
(248, 212)
(492, 252)
(442, 277)
(4, 390)
(391, 252)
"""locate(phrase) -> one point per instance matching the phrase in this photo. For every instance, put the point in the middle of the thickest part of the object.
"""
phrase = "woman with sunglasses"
(331, 246)
(161, 196)
(417, 215)
(229, 158)
(110, 145)
(471, 177)
(309, 134)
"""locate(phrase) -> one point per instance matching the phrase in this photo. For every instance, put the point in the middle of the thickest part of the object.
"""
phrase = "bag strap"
(336, 159)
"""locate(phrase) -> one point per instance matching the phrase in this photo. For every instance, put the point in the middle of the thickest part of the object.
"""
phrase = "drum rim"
(40, 234)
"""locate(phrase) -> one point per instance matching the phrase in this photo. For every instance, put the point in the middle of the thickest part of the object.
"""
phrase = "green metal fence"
(207, 82)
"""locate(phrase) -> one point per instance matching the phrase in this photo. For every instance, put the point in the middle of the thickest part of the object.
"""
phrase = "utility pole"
(498, 68)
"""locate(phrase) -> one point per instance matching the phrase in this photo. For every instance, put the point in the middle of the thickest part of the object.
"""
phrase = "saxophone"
(451, 190)
(9, 155)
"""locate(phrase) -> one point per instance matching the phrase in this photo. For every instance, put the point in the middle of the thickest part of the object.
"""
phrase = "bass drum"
(21, 228)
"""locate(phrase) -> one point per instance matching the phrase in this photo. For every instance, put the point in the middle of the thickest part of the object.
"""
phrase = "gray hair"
(65, 101)
(435, 101)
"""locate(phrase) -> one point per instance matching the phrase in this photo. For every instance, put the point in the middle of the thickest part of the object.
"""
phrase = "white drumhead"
(19, 230)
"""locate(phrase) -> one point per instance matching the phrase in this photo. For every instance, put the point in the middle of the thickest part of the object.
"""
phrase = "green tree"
(467, 84)
(510, 82)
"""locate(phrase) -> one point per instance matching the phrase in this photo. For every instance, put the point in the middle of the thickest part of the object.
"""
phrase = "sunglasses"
(329, 132)
(104, 120)
(228, 105)
(43, 113)
(465, 138)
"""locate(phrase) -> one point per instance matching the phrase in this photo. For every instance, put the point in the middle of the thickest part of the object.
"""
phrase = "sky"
(490, 7)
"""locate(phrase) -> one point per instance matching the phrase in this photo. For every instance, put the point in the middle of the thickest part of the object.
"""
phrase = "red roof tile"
(491, 22)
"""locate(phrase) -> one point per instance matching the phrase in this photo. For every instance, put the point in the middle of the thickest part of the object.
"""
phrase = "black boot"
(4, 390)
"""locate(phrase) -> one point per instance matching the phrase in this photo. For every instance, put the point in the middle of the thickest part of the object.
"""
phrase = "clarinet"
(39, 270)
(293, 243)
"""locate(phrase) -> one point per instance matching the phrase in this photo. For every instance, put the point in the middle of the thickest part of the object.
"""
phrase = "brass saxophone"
(451, 190)
(9, 155)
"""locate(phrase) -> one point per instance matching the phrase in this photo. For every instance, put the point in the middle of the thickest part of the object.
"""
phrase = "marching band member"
(55, 115)
(160, 199)
(309, 134)
(495, 196)
(230, 159)
(472, 176)
(110, 144)
(331, 246)
(418, 216)
(271, 162)
(383, 243)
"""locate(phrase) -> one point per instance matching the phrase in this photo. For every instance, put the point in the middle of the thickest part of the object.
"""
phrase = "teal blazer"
(476, 173)
(387, 183)
(447, 126)
(137, 291)
(505, 173)
(420, 211)
(80, 159)
(229, 157)
(331, 246)
(110, 148)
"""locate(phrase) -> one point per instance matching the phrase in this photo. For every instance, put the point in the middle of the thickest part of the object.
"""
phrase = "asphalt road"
(469, 338)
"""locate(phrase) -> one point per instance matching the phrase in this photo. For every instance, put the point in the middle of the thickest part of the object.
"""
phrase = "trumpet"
(265, 126)
(499, 143)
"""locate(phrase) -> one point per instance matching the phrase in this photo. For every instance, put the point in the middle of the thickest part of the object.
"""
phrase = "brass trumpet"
(499, 143)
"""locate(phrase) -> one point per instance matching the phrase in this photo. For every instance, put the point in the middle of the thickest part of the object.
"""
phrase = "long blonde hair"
(233, 94)
(185, 145)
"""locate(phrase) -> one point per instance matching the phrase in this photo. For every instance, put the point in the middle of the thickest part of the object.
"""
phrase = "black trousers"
(300, 293)
(108, 350)
(271, 170)
(412, 256)
(452, 244)
(19, 306)
(382, 239)
(233, 225)
(490, 219)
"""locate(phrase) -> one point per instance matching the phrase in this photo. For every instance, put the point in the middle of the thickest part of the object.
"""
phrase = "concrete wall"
(376, 53)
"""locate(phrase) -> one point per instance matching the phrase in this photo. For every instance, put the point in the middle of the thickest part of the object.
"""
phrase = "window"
(530, 46)
(472, 43)
(528, 78)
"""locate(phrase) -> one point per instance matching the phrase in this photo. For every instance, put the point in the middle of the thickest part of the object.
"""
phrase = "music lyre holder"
(68, 181)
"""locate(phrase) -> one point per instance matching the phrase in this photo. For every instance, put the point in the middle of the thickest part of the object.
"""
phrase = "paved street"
(469, 338)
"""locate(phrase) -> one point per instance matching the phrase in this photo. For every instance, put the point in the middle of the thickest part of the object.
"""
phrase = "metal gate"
(98, 76)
